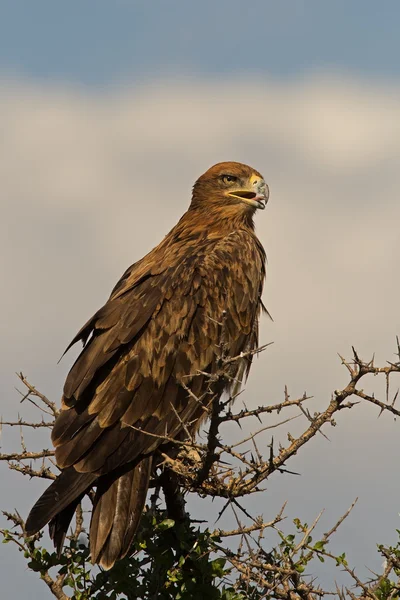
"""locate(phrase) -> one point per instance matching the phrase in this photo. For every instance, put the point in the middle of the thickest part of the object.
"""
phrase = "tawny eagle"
(157, 337)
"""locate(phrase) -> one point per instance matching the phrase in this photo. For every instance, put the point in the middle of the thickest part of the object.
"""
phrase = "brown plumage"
(158, 329)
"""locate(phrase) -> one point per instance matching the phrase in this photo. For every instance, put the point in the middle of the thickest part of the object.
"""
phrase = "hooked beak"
(256, 194)
(256, 200)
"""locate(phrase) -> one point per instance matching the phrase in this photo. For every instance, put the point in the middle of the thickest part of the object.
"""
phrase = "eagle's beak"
(256, 194)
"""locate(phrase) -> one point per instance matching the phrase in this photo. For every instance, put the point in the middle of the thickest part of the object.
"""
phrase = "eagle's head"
(231, 185)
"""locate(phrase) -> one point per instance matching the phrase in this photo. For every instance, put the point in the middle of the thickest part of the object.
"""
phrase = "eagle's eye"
(227, 179)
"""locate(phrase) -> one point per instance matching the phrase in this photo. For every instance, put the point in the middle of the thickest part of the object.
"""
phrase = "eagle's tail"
(58, 503)
(118, 506)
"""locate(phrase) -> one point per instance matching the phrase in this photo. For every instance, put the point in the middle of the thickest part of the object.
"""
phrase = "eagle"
(143, 375)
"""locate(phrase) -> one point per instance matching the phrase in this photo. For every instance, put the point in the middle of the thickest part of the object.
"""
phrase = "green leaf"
(217, 567)
(35, 565)
(166, 524)
(319, 545)
(181, 561)
(63, 570)
(341, 560)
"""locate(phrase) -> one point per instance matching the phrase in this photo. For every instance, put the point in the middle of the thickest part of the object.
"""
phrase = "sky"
(109, 111)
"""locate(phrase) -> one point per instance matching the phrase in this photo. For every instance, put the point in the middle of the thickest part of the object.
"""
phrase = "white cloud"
(91, 181)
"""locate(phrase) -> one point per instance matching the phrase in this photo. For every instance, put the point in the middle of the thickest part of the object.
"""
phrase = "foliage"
(175, 557)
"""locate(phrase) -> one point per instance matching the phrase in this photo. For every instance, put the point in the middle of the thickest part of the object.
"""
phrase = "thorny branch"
(233, 471)
(32, 392)
(259, 469)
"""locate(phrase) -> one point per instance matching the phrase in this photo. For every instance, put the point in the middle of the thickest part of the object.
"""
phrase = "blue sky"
(99, 98)
(98, 42)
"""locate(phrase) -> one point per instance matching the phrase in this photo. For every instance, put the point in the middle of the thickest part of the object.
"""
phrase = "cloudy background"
(108, 113)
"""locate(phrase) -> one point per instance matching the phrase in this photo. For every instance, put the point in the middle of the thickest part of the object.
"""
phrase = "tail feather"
(64, 490)
(59, 524)
(102, 515)
(118, 506)
(117, 509)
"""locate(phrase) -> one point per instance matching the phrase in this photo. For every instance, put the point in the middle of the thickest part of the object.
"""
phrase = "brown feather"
(117, 510)
(64, 490)
(162, 325)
